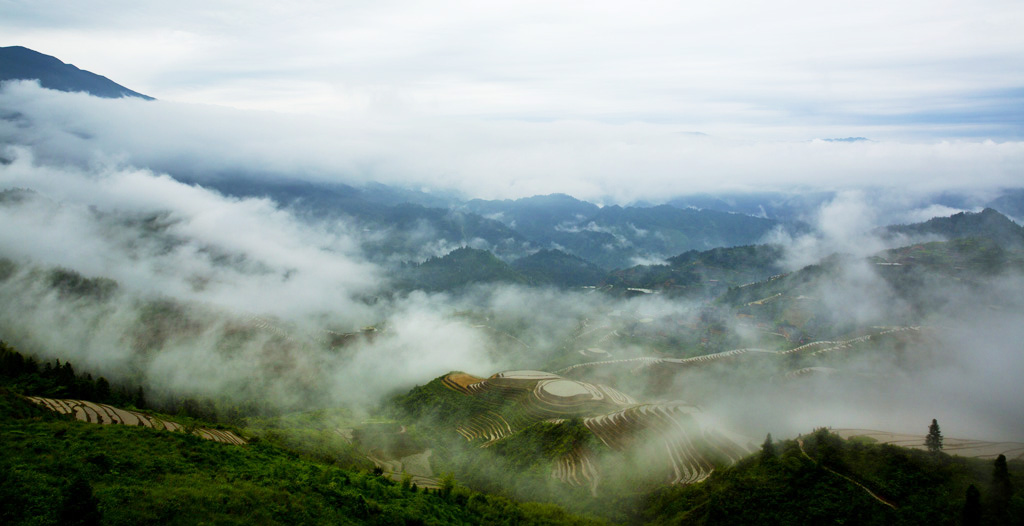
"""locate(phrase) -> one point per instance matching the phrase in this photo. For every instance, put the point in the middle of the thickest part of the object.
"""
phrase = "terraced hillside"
(692, 450)
(104, 414)
(517, 399)
(670, 441)
(667, 441)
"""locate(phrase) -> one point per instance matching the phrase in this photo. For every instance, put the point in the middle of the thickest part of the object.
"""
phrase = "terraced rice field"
(416, 465)
(954, 446)
(104, 414)
(839, 346)
(809, 371)
(689, 448)
(460, 381)
(528, 397)
(643, 362)
(577, 469)
(683, 447)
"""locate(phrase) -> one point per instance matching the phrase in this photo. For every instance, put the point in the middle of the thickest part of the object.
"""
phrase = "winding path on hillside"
(815, 349)
(886, 502)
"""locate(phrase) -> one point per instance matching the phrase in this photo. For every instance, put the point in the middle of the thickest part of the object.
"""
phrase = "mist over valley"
(446, 311)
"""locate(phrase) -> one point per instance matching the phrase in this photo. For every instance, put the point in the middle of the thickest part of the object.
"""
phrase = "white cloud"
(483, 158)
(247, 255)
(734, 67)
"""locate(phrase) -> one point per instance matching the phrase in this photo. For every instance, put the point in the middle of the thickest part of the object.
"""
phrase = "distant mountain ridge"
(618, 237)
(413, 225)
(988, 223)
(21, 63)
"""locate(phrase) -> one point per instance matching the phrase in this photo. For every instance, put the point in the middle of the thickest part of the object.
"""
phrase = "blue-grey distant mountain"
(780, 206)
(795, 206)
(988, 224)
(536, 216)
(708, 272)
(619, 237)
(554, 267)
(1010, 203)
(456, 270)
(847, 139)
(400, 224)
(17, 62)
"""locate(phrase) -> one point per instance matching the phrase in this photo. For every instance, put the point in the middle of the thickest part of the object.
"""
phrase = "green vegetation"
(517, 466)
(830, 481)
(441, 406)
(141, 475)
(457, 269)
(704, 273)
(988, 224)
(554, 267)
(55, 470)
(934, 438)
(325, 466)
(313, 434)
(58, 380)
(71, 284)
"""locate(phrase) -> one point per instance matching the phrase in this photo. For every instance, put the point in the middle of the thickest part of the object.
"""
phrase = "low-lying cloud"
(224, 296)
(601, 162)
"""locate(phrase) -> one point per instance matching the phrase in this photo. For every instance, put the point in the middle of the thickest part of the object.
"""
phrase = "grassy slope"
(142, 475)
(52, 465)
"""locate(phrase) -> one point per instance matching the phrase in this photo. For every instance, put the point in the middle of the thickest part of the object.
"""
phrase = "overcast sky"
(616, 82)
(953, 68)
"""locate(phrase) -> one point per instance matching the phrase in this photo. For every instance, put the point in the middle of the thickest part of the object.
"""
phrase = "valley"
(214, 315)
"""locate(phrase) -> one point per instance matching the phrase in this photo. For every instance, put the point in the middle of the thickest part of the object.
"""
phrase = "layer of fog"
(103, 208)
(214, 267)
(847, 224)
(236, 299)
(600, 162)
(962, 368)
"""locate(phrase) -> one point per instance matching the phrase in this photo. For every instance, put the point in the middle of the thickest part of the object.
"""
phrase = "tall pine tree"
(767, 450)
(934, 439)
(1002, 491)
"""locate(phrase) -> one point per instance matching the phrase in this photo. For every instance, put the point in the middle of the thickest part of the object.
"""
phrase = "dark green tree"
(1002, 491)
(767, 450)
(102, 390)
(139, 400)
(972, 507)
(447, 484)
(80, 507)
(934, 439)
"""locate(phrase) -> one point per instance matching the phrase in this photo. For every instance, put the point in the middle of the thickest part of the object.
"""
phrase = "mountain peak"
(22, 63)
(989, 223)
